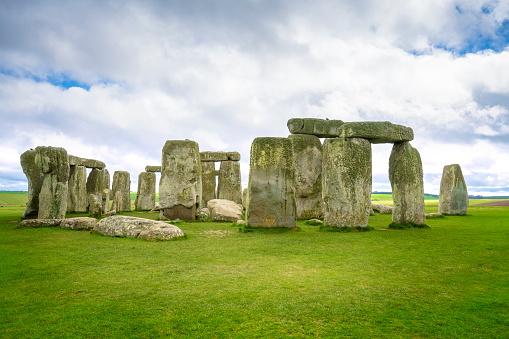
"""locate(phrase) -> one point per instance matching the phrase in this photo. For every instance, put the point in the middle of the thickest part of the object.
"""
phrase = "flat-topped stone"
(219, 156)
(153, 168)
(318, 127)
(376, 132)
(88, 163)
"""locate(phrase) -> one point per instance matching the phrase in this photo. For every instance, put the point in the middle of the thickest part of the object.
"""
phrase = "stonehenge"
(453, 198)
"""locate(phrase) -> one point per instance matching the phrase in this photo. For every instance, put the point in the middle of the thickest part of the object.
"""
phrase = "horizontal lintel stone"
(219, 156)
(377, 132)
(318, 127)
(152, 168)
(88, 163)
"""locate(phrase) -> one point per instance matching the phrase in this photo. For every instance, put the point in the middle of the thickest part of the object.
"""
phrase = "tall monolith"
(146, 195)
(229, 186)
(346, 182)
(35, 178)
(453, 191)
(98, 180)
(307, 155)
(121, 191)
(77, 198)
(180, 186)
(271, 184)
(406, 176)
(208, 171)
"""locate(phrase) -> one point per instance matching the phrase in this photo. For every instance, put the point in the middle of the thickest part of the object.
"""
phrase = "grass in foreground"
(446, 281)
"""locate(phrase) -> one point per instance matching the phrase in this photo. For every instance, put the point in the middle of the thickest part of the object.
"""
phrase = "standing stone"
(105, 204)
(208, 182)
(271, 184)
(35, 178)
(406, 176)
(245, 198)
(346, 182)
(453, 192)
(53, 162)
(180, 186)
(146, 195)
(307, 153)
(229, 186)
(98, 180)
(94, 206)
(121, 191)
(77, 199)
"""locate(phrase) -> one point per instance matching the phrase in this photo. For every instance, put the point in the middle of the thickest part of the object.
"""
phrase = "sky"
(113, 80)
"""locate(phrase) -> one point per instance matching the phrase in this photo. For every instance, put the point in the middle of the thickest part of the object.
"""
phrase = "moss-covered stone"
(152, 168)
(77, 198)
(346, 182)
(406, 176)
(453, 197)
(88, 163)
(98, 180)
(121, 190)
(146, 195)
(307, 153)
(271, 184)
(35, 178)
(219, 156)
(317, 127)
(229, 185)
(208, 181)
(376, 131)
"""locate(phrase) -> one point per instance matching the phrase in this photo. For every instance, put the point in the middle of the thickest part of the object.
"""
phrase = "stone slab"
(153, 168)
(318, 127)
(377, 132)
(219, 156)
(88, 163)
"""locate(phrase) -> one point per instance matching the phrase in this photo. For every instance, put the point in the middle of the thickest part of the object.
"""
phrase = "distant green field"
(11, 198)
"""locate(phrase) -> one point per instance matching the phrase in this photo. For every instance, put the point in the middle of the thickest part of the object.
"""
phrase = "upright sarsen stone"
(35, 178)
(271, 184)
(180, 186)
(98, 180)
(229, 186)
(208, 171)
(146, 196)
(121, 191)
(453, 191)
(406, 176)
(346, 182)
(77, 199)
(307, 154)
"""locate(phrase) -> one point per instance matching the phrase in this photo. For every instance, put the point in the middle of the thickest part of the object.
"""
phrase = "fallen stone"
(41, 223)
(219, 156)
(226, 210)
(146, 195)
(381, 208)
(152, 168)
(140, 228)
(434, 215)
(453, 198)
(376, 131)
(88, 163)
(318, 127)
(229, 186)
(81, 223)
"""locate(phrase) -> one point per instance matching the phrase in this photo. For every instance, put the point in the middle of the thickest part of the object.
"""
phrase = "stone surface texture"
(132, 227)
(35, 178)
(453, 197)
(94, 206)
(406, 176)
(229, 186)
(152, 168)
(146, 195)
(346, 180)
(98, 180)
(105, 203)
(81, 223)
(77, 198)
(219, 156)
(181, 179)
(88, 163)
(317, 127)
(307, 154)
(226, 210)
(208, 181)
(121, 190)
(377, 131)
(271, 184)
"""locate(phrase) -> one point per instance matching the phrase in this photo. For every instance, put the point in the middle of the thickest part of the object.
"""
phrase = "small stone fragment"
(132, 227)
(41, 223)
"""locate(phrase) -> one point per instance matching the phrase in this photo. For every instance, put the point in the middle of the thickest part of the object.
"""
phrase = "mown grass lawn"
(448, 281)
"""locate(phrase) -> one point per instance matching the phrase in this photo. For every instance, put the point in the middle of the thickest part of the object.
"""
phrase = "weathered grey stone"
(94, 206)
(146, 195)
(156, 208)
(245, 198)
(53, 162)
(132, 227)
(229, 186)
(205, 212)
(219, 156)
(208, 181)
(453, 197)
(406, 176)
(77, 198)
(307, 154)
(434, 215)
(376, 132)
(381, 208)
(346, 184)
(35, 178)
(152, 168)
(88, 163)
(40, 223)
(271, 184)
(98, 180)
(180, 187)
(110, 213)
(226, 210)
(105, 204)
(318, 127)
(82, 223)
(121, 191)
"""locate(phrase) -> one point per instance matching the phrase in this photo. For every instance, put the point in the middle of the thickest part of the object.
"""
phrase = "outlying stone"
(77, 198)
(381, 208)
(88, 163)
(132, 227)
(346, 182)
(219, 156)
(376, 131)
(221, 209)
(406, 176)
(121, 191)
(152, 168)
(229, 186)
(271, 184)
(318, 127)
(307, 156)
(146, 195)
(35, 178)
(81, 223)
(208, 181)
(453, 197)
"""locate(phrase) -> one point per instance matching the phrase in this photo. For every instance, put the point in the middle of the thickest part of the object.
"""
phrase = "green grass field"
(448, 281)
